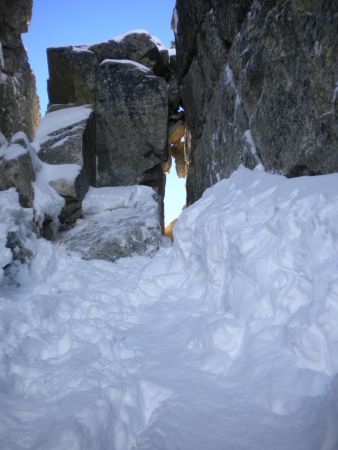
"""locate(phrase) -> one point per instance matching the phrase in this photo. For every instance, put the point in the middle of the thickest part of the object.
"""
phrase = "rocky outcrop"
(19, 104)
(126, 80)
(72, 70)
(259, 86)
(117, 222)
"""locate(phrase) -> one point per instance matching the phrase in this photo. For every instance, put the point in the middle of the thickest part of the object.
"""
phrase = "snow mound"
(228, 339)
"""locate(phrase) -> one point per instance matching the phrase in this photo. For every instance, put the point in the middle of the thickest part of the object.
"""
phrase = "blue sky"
(70, 22)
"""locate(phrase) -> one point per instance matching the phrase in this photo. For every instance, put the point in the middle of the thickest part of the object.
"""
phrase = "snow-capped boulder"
(137, 45)
(16, 168)
(131, 122)
(72, 70)
(117, 222)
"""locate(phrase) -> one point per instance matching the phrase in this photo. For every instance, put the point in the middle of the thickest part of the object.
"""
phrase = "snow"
(117, 222)
(19, 137)
(172, 52)
(335, 93)
(2, 61)
(127, 61)
(98, 200)
(154, 39)
(47, 202)
(227, 339)
(174, 21)
(81, 49)
(13, 151)
(14, 220)
(251, 143)
(59, 119)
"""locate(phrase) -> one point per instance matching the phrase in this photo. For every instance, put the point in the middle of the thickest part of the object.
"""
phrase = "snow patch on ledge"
(128, 62)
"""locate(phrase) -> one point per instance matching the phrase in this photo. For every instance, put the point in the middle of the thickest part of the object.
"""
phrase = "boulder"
(138, 46)
(16, 168)
(72, 69)
(71, 75)
(117, 222)
(131, 123)
(19, 108)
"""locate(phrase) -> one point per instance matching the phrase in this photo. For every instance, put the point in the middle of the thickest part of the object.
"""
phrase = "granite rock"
(19, 104)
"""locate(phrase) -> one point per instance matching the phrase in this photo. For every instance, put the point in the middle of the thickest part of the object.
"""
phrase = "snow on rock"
(129, 62)
(118, 222)
(16, 236)
(154, 39)
(228, 339)
(55, 121)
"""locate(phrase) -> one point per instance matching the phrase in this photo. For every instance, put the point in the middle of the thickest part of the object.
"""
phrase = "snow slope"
(226, 341)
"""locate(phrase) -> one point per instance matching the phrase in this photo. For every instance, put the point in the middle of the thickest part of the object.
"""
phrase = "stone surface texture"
(131, 122)
(72, 70)
(19, 104)
(259, 86)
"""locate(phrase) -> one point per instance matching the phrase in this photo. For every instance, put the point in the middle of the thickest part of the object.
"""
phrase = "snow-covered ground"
(226, 341)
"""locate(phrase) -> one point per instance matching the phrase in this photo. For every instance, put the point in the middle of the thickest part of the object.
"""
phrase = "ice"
(226, 340)
(127, 61)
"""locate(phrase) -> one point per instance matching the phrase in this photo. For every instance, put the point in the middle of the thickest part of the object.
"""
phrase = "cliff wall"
(19, 104)
(259, 85)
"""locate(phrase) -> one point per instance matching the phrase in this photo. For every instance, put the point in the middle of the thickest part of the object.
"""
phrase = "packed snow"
(228, 340)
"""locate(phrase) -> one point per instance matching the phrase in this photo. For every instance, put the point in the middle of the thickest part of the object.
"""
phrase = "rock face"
(19, 104)
(117, 222)
(131, 122)
(259, 85)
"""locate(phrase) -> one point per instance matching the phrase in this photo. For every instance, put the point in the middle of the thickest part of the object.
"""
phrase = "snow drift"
(227, 340)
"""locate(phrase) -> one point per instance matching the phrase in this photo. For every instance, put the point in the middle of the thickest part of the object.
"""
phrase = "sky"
(72, 22)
